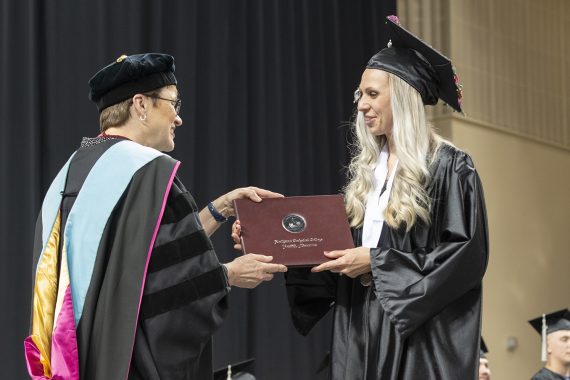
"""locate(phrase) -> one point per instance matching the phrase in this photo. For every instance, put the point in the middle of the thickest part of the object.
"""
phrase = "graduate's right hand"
(248, 271)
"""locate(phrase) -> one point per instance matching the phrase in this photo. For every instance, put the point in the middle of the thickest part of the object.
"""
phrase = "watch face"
(294, 223)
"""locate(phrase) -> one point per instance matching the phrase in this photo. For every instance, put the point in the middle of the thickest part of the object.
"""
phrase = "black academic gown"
(184, 298)
(546, 374)
(184, 289)
(421, 316)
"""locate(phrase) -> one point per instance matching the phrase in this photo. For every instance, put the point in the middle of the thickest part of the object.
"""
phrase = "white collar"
(376, 203)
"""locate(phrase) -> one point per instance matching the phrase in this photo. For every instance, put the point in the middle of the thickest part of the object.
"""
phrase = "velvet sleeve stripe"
(180, 205)
(173, 231)
(179, 250)
(184, 293)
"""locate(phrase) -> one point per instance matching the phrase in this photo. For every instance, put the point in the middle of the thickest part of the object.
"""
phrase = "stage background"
(267, 90)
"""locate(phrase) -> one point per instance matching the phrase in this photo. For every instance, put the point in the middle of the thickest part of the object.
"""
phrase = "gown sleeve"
(418, 273)
(184, 300)
(310, 295)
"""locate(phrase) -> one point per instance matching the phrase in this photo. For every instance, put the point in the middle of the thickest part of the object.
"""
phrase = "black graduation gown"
(546, 374)
(421, 316)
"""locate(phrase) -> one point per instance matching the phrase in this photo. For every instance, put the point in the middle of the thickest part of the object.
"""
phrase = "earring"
(357, 95)
(142, 117)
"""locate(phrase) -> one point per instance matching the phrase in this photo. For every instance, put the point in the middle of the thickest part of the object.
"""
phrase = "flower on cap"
(457, 85)
(394, 19)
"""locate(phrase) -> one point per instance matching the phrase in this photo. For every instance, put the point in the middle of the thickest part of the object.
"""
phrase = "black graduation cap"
(236, 371)
(420, 65)
(549, 323)
(130, 75)
(483, 350)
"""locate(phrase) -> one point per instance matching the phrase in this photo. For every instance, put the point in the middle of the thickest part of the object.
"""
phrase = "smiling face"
(162, 120)
(374, 102)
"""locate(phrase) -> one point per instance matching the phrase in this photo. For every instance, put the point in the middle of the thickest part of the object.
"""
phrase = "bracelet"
(216, 214)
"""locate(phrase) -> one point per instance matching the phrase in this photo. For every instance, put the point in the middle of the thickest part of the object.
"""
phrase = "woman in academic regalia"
(407, 300)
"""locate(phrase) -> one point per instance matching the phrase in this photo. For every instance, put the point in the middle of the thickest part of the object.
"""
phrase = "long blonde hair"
(416, 145)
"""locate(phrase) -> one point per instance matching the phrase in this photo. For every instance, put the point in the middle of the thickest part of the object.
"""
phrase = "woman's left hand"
(225, 203)
(351, 262)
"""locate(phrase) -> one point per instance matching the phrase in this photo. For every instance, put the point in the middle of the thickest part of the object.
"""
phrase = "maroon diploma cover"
(294, 230)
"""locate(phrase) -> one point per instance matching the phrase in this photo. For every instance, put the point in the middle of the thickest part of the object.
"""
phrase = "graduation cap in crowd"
(549, 323)
(420, 65)
(236, 371)
(483, 350)
(130, 75)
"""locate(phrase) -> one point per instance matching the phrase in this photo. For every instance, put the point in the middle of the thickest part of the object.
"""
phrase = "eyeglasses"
(175, 103)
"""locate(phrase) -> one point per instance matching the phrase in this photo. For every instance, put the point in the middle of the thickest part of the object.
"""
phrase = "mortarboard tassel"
(229, 373)
(543, 345)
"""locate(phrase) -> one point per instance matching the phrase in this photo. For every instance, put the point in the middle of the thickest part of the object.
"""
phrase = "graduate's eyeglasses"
(175, 103)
